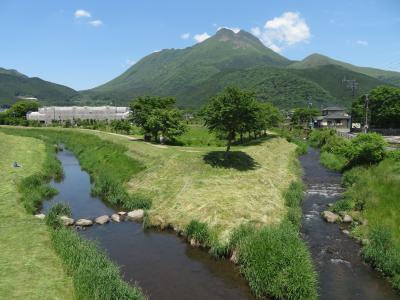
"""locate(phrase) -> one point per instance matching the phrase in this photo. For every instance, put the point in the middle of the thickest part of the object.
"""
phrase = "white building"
(73, 113)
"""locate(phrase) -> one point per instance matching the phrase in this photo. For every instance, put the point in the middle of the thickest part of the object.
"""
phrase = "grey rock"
(122, 213)
(136, 215)
(330, 217)
(102, 219)
(347, 219)
(40, 216)
(116, 218)
(234, 257)
(67, 221)
(84, 222)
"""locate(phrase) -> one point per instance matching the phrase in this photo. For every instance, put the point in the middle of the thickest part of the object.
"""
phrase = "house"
(73, 113)
(333, 117)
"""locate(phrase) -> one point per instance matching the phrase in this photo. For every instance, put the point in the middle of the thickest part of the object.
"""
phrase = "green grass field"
(29, 267)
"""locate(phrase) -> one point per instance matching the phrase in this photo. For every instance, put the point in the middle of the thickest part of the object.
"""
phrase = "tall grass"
(275, 261)
(94, 275)
(293, 197)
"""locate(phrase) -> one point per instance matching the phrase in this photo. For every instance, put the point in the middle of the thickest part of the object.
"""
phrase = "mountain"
(194, 74)
(14, 84)
(317, 60)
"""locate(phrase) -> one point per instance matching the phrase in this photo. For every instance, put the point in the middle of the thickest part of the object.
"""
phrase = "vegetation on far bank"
(30, 268)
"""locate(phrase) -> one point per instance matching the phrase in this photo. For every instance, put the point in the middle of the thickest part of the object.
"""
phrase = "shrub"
(53, 217)
(352, 176)
(366, 149)
(333, 161)
(94, 275)
(342, 205)
(319, 138)
(336, 145)
(276, 262)
(137, 201)
(198, 231)
(394, 155)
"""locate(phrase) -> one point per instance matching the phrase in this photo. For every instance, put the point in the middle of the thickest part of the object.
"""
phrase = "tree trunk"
(241, 137)
(228, 146)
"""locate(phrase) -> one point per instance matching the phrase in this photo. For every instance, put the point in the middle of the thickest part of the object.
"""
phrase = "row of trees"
(383, 108)
(230, 114)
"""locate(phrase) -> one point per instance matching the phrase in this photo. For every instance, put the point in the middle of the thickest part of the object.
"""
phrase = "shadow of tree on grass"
(238, 160)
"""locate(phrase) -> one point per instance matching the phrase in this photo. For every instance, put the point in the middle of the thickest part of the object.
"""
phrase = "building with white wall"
(73, 113)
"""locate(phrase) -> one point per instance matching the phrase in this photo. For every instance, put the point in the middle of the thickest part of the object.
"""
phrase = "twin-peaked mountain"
(194, 74)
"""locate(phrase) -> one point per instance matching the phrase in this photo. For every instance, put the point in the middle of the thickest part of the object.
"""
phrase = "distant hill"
(195, 73)
(14, 84)
(317, 60)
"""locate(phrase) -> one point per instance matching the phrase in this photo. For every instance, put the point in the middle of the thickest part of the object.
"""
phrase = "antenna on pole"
(351, 84)
(366, 114)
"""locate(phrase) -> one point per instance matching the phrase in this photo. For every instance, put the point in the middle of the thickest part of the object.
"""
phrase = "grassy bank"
(373, 195)
(29, 266)
(208, 196)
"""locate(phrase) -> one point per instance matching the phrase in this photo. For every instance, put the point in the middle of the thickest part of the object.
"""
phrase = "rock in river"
(67, 221)
(329, 216)
(136, 215)
(102, 219)
(122, 213)
(84, 222)
(116, 218)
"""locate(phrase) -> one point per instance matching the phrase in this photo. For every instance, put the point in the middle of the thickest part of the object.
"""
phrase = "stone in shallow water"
(122, 213)
(136, 215)
(116, 218)
(67, 221)
(329, 216)
(102, 219)
(84, 222)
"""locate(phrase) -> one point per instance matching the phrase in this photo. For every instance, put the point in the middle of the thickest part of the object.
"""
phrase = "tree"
(366, 149)
(157, 115)
(231, 112)
(302, 116)
(383, 107)
(121, 126)
(21, 108)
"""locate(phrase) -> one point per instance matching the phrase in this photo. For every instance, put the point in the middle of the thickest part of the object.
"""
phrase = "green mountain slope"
(317, 60)
(14, 84)
(195, 73)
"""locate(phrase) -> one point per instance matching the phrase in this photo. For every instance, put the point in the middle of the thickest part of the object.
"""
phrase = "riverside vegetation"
(371, 176)
(254, 196)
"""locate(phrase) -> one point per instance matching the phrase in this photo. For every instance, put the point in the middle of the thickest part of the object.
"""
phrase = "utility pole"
(366, 114)
(311, 124)
(351, 84)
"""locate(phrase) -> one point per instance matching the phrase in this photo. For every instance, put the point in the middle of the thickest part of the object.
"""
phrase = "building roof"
(333, 108)
(336, 116)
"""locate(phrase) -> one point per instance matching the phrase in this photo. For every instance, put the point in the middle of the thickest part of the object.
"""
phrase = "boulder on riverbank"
(84, 222)
(330, 217)
(347, 218)
(136, 215)
(67, 221)
(102, 220)
(40, 216)
(122, 213)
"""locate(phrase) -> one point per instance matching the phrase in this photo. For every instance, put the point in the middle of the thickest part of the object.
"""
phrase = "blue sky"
(85, 43)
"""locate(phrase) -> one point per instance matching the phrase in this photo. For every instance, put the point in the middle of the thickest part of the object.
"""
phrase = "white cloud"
(362, 43)
(284, 31)
(201, 37)
(234, 29)
(95, 23)
(185, 36)
(81, 13)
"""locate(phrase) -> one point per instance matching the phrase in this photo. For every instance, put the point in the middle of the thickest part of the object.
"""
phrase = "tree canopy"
(157, 115)
(383, 108)
(302, 116)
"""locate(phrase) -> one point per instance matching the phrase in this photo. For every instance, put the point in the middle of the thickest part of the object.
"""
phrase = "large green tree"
(157, 115)
(302, 116)
(230, 113)
(383, 108)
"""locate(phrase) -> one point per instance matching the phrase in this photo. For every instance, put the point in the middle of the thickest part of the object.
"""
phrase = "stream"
(342, 273)
(160, 262)
(166, 267)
